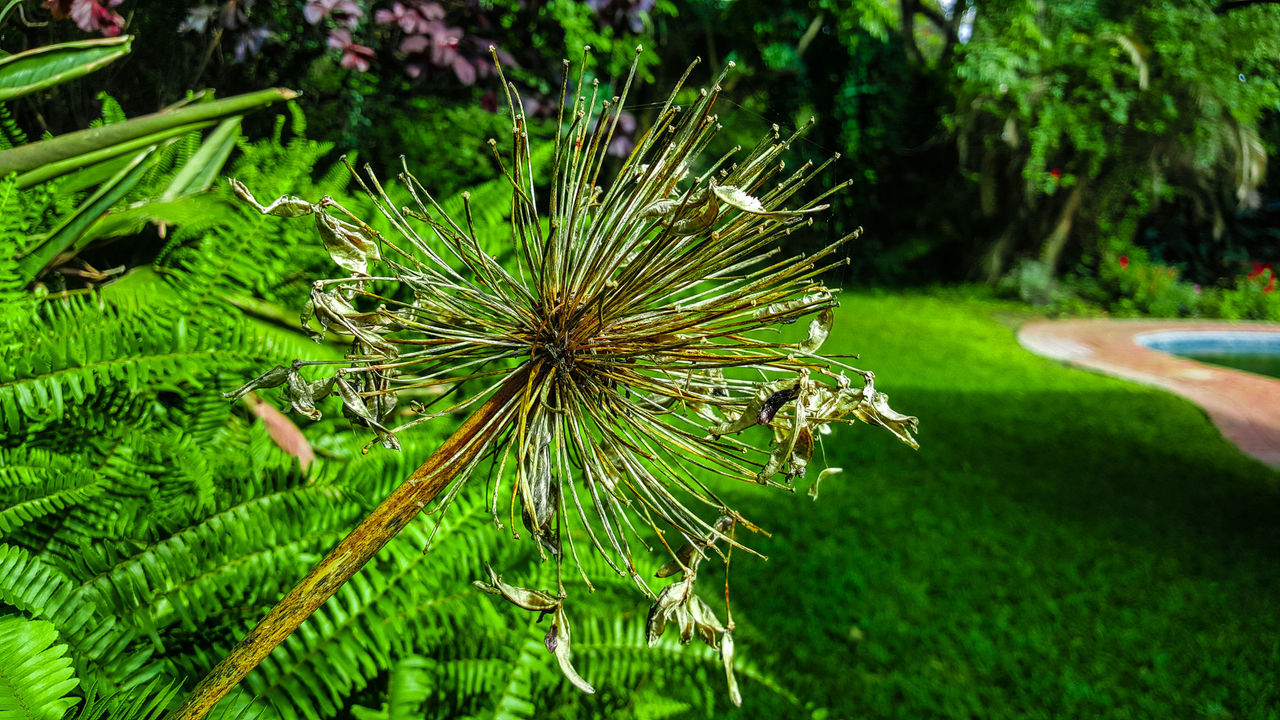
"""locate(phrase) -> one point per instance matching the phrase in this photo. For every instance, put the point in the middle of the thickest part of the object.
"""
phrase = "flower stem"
(386, 520)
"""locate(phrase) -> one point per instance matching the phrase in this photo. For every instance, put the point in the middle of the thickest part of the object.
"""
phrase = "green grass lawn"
(1063, 545)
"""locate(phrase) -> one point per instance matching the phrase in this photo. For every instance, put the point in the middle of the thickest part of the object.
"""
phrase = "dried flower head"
(628, 344)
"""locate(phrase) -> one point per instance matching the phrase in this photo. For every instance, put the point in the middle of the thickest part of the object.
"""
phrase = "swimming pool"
(1256, 352)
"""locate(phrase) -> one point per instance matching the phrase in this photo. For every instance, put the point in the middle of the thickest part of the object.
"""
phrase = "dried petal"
(303, 395)
(269, 379)
(684, 620)
(661, 210)
(789, 311)
(560, 624)
(535, 600)
(867, 405)
(665, 607)
(283, 206)
(705, 620)
(699, 214)
(684, 556)
(747, 203)
(813, 489)
(536, 478)
(740, 199)
(726, 654)
(874, 410)
(355, 408)
(335, 313)
(751, 413)
(685, 216)
(819, 329)
(349, 245)
(801, 454)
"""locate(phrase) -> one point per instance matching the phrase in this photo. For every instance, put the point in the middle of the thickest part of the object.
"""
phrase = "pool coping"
(1244, 407)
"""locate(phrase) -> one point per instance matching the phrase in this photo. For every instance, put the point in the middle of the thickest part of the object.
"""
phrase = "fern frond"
(34, 483)
(147, 703)
(10, 134)
(111, 110)
(401, 601)
(35, 674)
(241, 554)
(515, 698)
(102, 648)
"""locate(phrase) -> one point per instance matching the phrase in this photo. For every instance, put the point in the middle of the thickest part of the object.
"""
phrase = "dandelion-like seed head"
(616, 358)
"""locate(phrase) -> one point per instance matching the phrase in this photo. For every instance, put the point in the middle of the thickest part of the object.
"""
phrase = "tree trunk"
(1057, 240)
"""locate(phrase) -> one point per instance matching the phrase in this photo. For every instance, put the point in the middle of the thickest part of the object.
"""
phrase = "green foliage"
(35, 483)
(1063, 545)
(148, 703)
(44, 67)
(1080, 118)
(1250, 297)
(147, 523)
(1125, 282)
(35, 674)
(1136, 286)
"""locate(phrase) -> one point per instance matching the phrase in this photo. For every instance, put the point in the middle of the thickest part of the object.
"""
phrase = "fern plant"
(145, 523)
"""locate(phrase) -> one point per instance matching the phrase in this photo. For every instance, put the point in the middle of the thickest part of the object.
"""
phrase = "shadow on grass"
(1054, 553)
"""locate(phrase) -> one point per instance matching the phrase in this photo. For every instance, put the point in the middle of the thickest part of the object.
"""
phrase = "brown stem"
(386, 520)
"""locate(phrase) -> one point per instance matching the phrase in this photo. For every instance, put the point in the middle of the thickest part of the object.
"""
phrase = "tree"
(1075, 120)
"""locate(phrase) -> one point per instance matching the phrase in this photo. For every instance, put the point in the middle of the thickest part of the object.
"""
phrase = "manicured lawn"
(1063, 545)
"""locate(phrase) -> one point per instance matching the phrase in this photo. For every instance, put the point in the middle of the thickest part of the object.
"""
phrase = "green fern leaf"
(514, 701)
(35, 674)
(10, 134)
(146, 703)
(49, 498)
(102, 648)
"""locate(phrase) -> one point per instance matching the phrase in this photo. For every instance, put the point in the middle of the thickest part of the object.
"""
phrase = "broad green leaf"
(44, 67)
(65, 235)
(91, 167)
(203, 167)
(28, 157)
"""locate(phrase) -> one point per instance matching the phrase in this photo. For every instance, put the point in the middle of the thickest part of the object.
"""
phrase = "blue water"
(1255, 352)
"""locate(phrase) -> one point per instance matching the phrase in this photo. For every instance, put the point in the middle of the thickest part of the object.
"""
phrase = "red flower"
(354, 56)
(1056, 174)
(1124, 261)
(342, 12)
(89, 15)
(1271, 283)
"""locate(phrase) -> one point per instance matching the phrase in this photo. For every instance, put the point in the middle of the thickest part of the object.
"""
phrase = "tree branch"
(388, 519)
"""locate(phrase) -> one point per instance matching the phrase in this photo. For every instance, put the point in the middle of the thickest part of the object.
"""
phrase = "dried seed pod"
(535, 600)
(708, 625)
(819, 330)
(687, 556)
(813, 489)
(774, 403)
(274, 377)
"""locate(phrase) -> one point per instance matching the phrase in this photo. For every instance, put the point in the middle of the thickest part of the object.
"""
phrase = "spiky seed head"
(637, 321)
